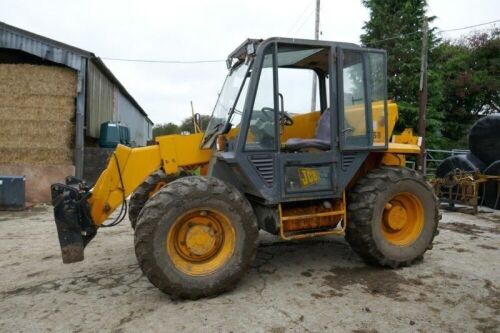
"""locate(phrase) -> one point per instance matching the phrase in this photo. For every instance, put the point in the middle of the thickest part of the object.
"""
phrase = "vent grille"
(265, 167)
(347, 159)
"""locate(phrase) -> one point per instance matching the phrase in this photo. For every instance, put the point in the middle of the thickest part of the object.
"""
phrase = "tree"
(396, 26)
(187, 123)
(186, 126)
(165, 129)
(471, 69)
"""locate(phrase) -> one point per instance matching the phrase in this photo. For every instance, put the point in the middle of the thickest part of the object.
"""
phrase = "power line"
(166, 61)
(306, 20)
(223, 60)
(470, 26)
(300, 16)
(437, 32)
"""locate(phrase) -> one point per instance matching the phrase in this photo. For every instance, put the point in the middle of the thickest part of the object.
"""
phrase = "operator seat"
(322, 140)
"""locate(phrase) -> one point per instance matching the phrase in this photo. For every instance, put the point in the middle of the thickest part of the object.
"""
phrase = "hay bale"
(37, 109)
(36, 134)
(46, 114)
(23, 79)
(36, 156)
(37, 101)
(466, 162)
(491, 187)
(484, 138)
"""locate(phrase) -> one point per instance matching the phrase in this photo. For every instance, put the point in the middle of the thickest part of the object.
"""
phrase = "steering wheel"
(285, 118)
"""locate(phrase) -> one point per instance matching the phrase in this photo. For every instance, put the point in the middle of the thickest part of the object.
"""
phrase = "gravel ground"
(309, 286)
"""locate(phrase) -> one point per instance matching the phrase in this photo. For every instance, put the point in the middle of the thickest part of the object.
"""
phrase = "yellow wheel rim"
(201, 241)
(403, 219)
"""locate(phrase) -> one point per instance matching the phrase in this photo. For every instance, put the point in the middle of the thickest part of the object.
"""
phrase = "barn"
(53, 99)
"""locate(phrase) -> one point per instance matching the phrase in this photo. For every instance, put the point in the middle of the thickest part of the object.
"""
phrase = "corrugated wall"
(100, 104)
(105, 102)
(140, 128)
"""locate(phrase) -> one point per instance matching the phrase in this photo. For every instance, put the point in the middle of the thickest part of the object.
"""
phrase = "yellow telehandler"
(266, 161)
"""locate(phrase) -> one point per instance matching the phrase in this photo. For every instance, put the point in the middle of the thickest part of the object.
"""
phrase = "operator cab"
(285, 139)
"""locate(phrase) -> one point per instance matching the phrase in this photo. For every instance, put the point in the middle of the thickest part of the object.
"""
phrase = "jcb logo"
(308, 176)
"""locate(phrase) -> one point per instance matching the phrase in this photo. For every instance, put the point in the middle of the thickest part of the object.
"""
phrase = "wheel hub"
(200, 240)
(403, 219)
(395, 217)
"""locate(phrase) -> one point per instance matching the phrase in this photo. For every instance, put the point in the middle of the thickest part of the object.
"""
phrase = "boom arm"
(135, 165)
(79, 211)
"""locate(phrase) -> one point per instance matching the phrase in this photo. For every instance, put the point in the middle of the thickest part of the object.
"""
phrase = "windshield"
(225, 103)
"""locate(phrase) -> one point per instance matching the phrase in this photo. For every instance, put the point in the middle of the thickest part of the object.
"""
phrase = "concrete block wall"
(95, 161)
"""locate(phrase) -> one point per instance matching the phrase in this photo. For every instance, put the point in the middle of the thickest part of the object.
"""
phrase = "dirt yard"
(310, 286)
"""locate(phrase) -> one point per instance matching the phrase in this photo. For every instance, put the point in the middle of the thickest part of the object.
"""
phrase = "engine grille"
(347, 159)
(264, 164)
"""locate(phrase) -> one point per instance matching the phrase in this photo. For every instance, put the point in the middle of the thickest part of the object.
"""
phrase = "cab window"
(261, 135)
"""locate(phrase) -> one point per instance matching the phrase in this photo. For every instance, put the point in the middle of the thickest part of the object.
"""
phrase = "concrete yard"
(310, 286)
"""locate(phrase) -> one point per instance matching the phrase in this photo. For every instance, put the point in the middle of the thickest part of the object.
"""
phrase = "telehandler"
(265, 161)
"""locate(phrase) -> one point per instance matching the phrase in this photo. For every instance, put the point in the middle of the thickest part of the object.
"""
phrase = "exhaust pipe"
(72, 216)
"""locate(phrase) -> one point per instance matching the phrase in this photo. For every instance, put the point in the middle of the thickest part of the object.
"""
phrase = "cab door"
(308, 173)
(283, 87)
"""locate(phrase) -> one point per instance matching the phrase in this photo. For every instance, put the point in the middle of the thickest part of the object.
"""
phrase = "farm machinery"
(266, 161)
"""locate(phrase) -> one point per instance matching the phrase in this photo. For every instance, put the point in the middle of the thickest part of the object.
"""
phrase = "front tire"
(150, 186)
(196, 237)
(393, 216)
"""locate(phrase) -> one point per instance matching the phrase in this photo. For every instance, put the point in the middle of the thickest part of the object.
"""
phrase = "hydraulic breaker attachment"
(72, 216)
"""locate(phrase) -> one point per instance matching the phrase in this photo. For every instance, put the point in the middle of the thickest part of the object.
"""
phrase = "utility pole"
(423, 96)
(316, 36)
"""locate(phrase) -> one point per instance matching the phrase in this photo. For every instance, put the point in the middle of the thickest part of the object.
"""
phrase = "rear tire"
(398, 239)
(171, 237)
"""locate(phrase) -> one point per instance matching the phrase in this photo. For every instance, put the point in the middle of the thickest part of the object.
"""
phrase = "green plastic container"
(112, 134)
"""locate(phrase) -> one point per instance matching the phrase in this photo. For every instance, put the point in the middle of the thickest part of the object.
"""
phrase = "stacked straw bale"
(37, 108)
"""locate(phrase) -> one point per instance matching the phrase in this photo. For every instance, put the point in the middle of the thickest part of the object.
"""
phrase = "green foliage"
(187, 123)
(401, 19)
(463, 76)
(165, 129)
(471, 69)
(186, 126)
(396, 26)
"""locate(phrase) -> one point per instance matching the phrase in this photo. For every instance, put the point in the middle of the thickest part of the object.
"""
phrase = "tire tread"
(361, 206)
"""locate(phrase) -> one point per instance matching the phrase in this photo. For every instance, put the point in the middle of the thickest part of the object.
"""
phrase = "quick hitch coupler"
(72, 216)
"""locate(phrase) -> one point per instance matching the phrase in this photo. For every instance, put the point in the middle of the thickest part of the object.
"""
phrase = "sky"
(193, 30)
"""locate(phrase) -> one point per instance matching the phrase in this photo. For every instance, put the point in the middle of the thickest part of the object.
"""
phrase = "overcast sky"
(199, 30)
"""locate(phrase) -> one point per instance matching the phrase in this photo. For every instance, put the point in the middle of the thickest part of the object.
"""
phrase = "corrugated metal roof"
(15, 38)
(43, 47)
